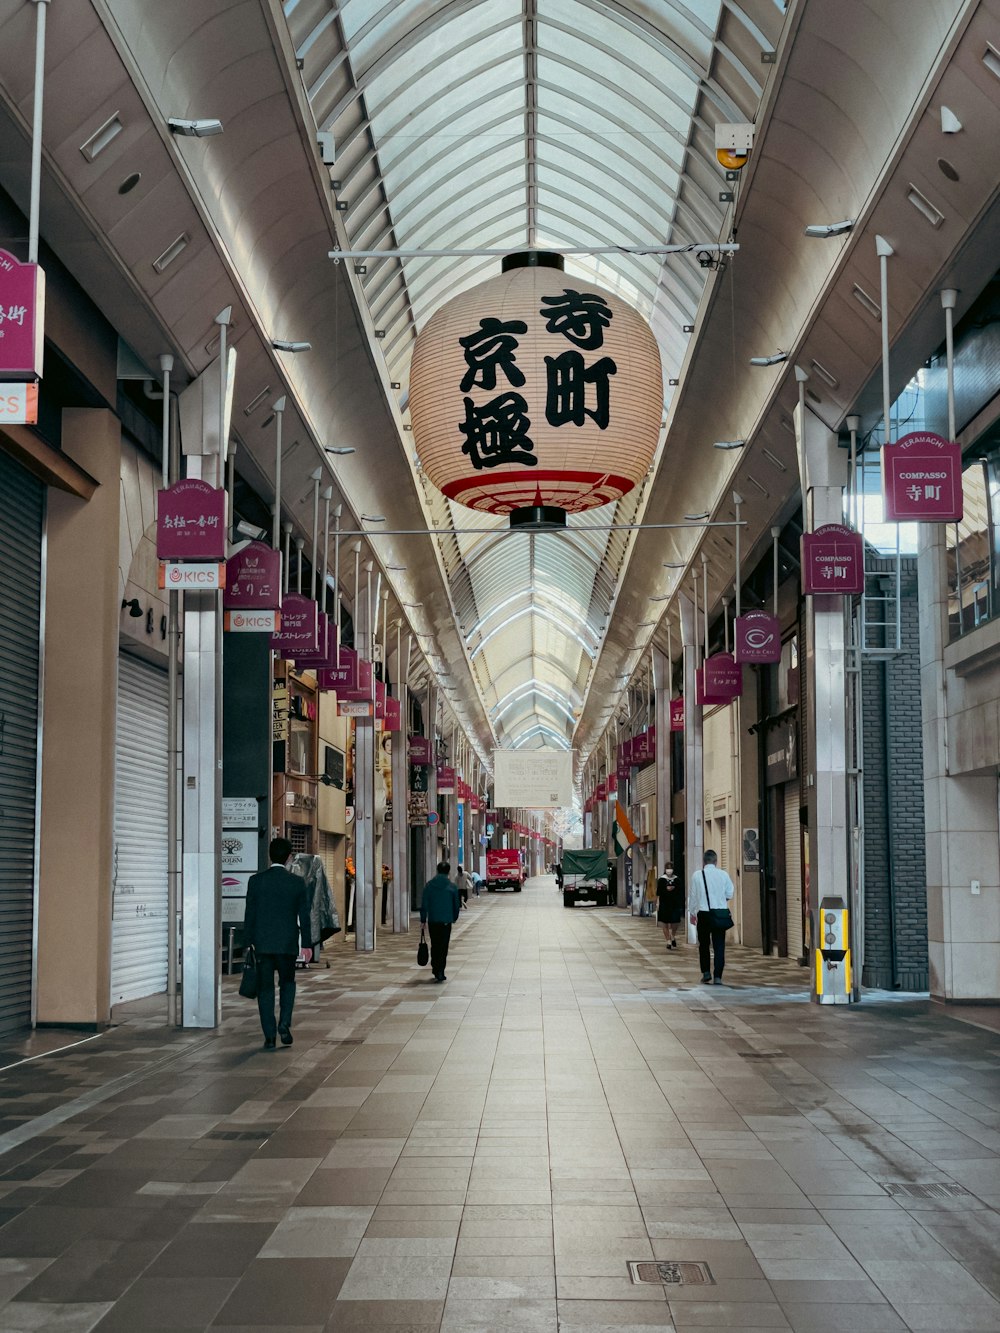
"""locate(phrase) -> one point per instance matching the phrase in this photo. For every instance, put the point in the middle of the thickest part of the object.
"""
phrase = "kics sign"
(191, 578)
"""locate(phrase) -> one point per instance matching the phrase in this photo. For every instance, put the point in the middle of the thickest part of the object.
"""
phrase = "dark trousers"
(718, 942)
(440, 933)
(267, 965)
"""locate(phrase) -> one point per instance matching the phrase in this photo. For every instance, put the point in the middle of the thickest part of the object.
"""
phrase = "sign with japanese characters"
(535, 387)
(676, 714)
(299, 626)
(416, 809)
(352, 673)
(191, 521)
(445, 779)
(922, 479)
(325, 655)
(22, 319)
(538, 779)
(644, 747)
(833, 561)
(389, 711)
(757, 637)
(719, 680)
(253, 578)
(421, 750)
(240, 812)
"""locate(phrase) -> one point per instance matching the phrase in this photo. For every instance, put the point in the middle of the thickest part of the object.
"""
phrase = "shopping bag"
(249, 983)
(423, 953)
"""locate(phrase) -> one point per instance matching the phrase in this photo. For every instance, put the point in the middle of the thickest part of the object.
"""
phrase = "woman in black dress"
(669, 904)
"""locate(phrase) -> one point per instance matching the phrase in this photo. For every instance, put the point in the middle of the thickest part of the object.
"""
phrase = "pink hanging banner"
(253, 579)
(326, 651)
(644, 747)
(390, 712)
(757, 638)
(922, 479)
(833, 561)
(342, 677)
(719, 681)
(445, 780)
(421, 751)
(191, 521)
(676, 714)
(299, 626)
(364, 684)
(22, 319)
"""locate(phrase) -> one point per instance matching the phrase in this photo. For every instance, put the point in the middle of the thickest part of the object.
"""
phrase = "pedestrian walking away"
(440, 906)
(277, 910)
(669, 904)
(711, 890)
(463, 881)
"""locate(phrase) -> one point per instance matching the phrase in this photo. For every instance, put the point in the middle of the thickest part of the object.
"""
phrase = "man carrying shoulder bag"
(708, 903)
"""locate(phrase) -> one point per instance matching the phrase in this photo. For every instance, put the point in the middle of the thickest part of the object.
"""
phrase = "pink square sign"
(191, 522)
(922, 479)
(22, 319)
(833, 561)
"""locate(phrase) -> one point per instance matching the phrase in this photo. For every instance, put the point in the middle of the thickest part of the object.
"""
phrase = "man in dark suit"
(440, 907)
(277, 909)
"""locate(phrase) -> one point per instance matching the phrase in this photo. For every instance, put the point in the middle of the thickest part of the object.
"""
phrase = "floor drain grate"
(761, 1055)
(671, 1272)
(241, 1134)
(936, 1190)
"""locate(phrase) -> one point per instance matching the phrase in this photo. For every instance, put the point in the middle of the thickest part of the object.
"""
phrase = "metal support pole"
(327, 497)
(299, 546)
(664, 777)
(737, 502)
(694, 773)
(286, 529)
(883, 249)
(230, 492)
(316, 477)
(34, 207)
(336, 573)
(400, 791)
(775, 534)
(278, 409)
(173, 724)
(367, 870)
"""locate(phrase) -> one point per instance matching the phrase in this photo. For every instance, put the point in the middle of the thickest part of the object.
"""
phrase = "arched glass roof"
(520, 123)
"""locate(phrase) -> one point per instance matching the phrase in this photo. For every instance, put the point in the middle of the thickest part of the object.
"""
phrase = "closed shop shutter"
(645, 783)
(21, 512)
(139, 901)
(793, 871)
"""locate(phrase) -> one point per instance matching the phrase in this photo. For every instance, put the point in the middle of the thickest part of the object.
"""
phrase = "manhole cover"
(936, 1190)
(671, 1272)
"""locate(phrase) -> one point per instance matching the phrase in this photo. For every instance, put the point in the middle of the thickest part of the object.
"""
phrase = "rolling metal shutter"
(139, 901)
(793, 871)
(22, 501)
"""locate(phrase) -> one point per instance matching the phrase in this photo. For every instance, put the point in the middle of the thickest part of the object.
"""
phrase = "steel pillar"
(664, 777)
(823, 472)
(430, 834)
(694, 759)
(400, 889)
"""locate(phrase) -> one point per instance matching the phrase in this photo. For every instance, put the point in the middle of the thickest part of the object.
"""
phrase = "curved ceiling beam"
(540, 729)
(542, 614)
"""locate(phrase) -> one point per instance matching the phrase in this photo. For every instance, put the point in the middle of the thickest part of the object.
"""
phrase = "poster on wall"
(751, 849)
(536, 779)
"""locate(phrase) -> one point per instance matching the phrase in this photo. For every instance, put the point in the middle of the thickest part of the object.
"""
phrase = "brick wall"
(895, 906)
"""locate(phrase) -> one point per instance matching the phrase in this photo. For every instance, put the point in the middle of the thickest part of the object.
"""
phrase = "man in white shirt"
(710, 887)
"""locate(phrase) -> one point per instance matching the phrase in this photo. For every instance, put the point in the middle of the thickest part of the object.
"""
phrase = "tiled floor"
(491, 1153)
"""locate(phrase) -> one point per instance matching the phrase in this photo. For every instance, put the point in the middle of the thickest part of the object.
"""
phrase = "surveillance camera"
(196, 129)
(822, 230)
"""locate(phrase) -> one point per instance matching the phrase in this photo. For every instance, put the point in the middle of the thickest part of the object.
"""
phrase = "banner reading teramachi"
(538, 779)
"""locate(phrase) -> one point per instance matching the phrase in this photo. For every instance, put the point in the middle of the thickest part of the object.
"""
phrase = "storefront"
(22, 507)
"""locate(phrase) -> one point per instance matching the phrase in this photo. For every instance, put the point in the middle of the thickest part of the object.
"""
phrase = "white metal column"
(694, 769)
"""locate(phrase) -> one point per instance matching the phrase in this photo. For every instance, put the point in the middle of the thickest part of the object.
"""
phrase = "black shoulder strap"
(708, 900)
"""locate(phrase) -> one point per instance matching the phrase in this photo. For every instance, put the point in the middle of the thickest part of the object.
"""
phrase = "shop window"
(973, 551)
(299, 746)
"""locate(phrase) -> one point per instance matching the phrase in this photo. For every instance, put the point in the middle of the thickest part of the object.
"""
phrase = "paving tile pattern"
(491, 1154)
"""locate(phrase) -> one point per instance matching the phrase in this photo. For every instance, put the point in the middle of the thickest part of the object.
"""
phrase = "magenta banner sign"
(253, 579)
(326, 654)
(390, 710)
(922, 479)
(22, 319)
(445, 779)
(421, 751)
(644, 747)
(676, 714)
(833, 561)
(342, 677)
(721, 679)
(299, 626)
(757, 638)
(364, 683)
(191, 522)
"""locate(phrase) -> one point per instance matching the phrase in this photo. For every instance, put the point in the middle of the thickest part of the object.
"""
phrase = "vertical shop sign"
(676, 714)
(299, 626)
(253, 579)
(922, 479)
(191, 521)
(22, 319)
(833, 561)
(757, 638)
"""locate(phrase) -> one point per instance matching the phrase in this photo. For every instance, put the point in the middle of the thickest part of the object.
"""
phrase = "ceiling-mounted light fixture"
(341, 450)
(285, 345)
(194, 129)
(729, 444)
(822, 230)
(372, 518)
(696, 518)
(774, 360)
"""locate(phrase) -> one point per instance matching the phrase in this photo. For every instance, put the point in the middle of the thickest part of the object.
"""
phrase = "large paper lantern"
(536, 389)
